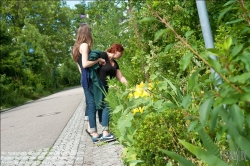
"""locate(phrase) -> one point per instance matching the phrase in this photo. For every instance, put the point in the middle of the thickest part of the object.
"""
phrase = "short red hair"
(115, 47)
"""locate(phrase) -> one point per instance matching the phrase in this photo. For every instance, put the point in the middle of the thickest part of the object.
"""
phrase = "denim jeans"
(91, 110)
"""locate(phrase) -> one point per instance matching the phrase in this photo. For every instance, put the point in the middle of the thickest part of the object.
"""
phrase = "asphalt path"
(38, 124)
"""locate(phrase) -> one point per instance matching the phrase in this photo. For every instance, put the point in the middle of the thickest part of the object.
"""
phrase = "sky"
(72, 3)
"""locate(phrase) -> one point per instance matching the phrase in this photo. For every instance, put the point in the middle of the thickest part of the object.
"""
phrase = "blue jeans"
(91, 110)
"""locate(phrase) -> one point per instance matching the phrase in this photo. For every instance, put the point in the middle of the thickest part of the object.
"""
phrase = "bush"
(161, 131)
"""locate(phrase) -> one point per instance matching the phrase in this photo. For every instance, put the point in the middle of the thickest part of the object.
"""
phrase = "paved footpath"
(72, 148)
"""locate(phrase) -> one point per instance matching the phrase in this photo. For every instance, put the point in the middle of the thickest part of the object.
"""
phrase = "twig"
(241, 2)
(194, 51)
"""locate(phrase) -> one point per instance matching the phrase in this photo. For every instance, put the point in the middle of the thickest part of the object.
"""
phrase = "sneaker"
(96, 139)
(108, 138)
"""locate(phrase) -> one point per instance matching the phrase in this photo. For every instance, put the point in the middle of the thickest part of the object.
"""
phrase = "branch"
(194, 51)
(241, 2)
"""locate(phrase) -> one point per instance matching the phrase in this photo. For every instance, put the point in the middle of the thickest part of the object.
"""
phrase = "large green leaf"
(147, 19)
(237, 49)
(159, 33)
(192, 125)
(185, 61)
(192, 81)
(224, 12)
(118, 109)
(236, 21)
(214, 51)
(242, 79)
(237, 117)
(244, 144)
(208, 143)
(186, 102)
(204, 155)
(171, 85)
(124, 121)
(214, 116)
(182, 161)
(215, 64)
(168, 47)
(228, 43)
(204, 110)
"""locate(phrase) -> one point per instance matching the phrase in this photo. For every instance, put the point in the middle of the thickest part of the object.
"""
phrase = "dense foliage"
(35, 50)
(179, 74)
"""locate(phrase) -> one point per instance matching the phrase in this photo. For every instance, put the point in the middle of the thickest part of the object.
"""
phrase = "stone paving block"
(73, 147)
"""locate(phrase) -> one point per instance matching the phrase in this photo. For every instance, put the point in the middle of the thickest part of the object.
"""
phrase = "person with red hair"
(110, 69)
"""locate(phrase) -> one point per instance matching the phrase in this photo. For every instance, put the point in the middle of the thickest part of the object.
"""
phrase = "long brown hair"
(84, 35)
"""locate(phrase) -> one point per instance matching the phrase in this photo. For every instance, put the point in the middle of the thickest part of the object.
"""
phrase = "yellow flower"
(144, 94)
(137, 93)
(141, 109)
(150, 86)
(130, 95)
(208, 72)
(141, 85)
(135, 110)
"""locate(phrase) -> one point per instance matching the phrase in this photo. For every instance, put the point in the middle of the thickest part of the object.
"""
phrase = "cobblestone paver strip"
(73, 148)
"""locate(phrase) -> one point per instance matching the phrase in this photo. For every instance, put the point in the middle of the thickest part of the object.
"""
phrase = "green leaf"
(182, 161)
(118, 109)
(237, 117)
(243, 78)
(214, 116)
(172, 86)
(192, 81)
(186, 102)
(124, 121)
(235, 21)
(215, 64)
(209, 158)
(185, 61)
(214, 51)
(224, 12)
(192, 125)
(229, 2)
(158, 104)
(165, 106)
(245, 30)
(168, 47)
(147, 19)
(244, 144)
(208, 143)
(228, 43)
(229, 100)
(159, 33)
(236, 49)
(188, 33)
(245, 97)
(204, 110)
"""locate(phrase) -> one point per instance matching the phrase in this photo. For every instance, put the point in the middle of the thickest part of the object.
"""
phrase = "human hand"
(102, 61)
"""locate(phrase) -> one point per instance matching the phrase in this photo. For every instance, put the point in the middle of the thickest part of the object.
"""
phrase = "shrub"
(161, 131)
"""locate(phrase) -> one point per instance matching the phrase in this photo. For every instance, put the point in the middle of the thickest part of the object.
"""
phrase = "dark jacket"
(97, 88)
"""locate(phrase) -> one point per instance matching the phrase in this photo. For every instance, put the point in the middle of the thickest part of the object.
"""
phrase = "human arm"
(120, 77)
(79, 68)
(84, 50)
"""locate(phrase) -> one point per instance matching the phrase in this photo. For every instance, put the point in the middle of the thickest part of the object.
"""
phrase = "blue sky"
(72, 3)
